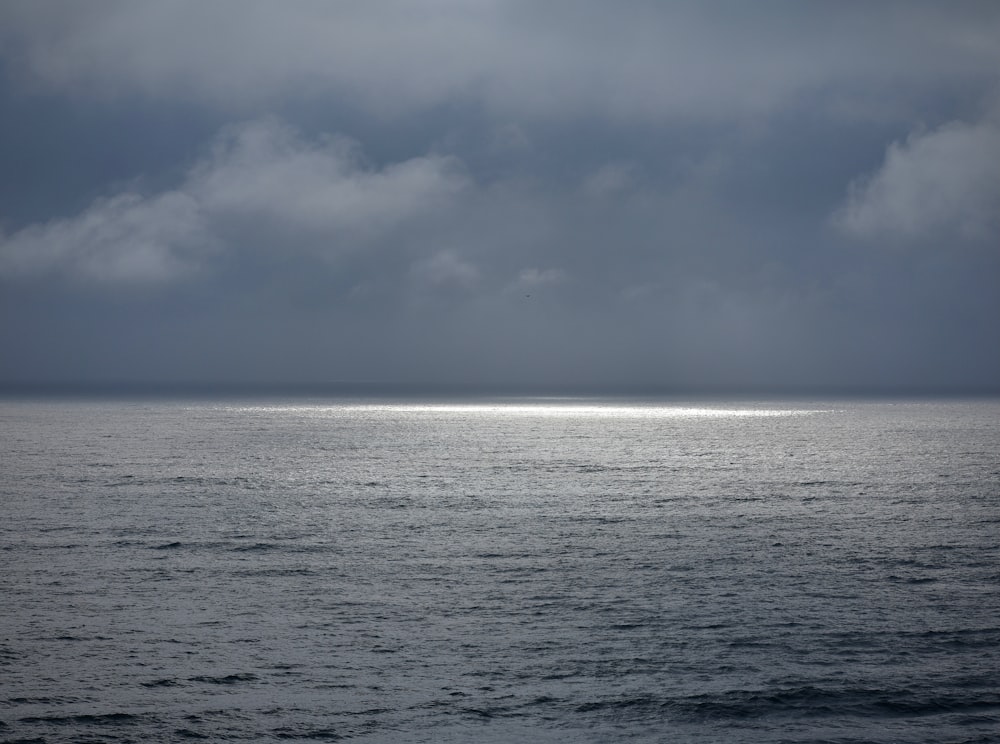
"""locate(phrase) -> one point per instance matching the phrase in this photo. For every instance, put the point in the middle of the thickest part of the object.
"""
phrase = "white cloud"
(446, 270)
(945, 182)
(260, 176)
(126, 237)
(263, 171)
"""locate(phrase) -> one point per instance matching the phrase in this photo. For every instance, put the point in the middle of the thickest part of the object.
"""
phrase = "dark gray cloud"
(634, 195)
(561, 59)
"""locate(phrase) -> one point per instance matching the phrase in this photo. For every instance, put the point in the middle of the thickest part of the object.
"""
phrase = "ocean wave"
(85, 719)
(228, 679)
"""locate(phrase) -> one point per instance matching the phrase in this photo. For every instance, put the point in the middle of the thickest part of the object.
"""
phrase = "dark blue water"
(560, 571)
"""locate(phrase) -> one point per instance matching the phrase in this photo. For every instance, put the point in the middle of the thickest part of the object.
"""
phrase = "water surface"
(502, 570)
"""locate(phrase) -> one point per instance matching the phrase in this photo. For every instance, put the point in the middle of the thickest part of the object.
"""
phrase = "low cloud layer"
(635, 196)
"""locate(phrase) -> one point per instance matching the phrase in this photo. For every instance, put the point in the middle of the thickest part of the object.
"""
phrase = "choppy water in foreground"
(565, 571)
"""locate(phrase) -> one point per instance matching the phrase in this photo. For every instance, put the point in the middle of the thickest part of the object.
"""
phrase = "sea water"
(543, 570)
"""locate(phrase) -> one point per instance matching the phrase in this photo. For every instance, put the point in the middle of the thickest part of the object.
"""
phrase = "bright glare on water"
(534, 408)
(561, 570)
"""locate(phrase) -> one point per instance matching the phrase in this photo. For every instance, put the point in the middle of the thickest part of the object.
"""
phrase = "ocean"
(502, 570)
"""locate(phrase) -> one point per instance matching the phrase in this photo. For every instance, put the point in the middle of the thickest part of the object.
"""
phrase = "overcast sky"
(568, 194)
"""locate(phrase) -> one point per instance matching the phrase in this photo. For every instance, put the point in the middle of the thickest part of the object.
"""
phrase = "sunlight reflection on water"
(539, 409)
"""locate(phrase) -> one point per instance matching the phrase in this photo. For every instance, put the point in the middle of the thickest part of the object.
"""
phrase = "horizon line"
(382, 388)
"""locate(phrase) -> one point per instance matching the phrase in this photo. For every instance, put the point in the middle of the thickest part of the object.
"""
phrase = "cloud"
(634, 60)
(658, 177)
(531, 279)
(124, 238)
(264, 173)
(445, 270)
(261, 182)
(940, 183)
(609, 180)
